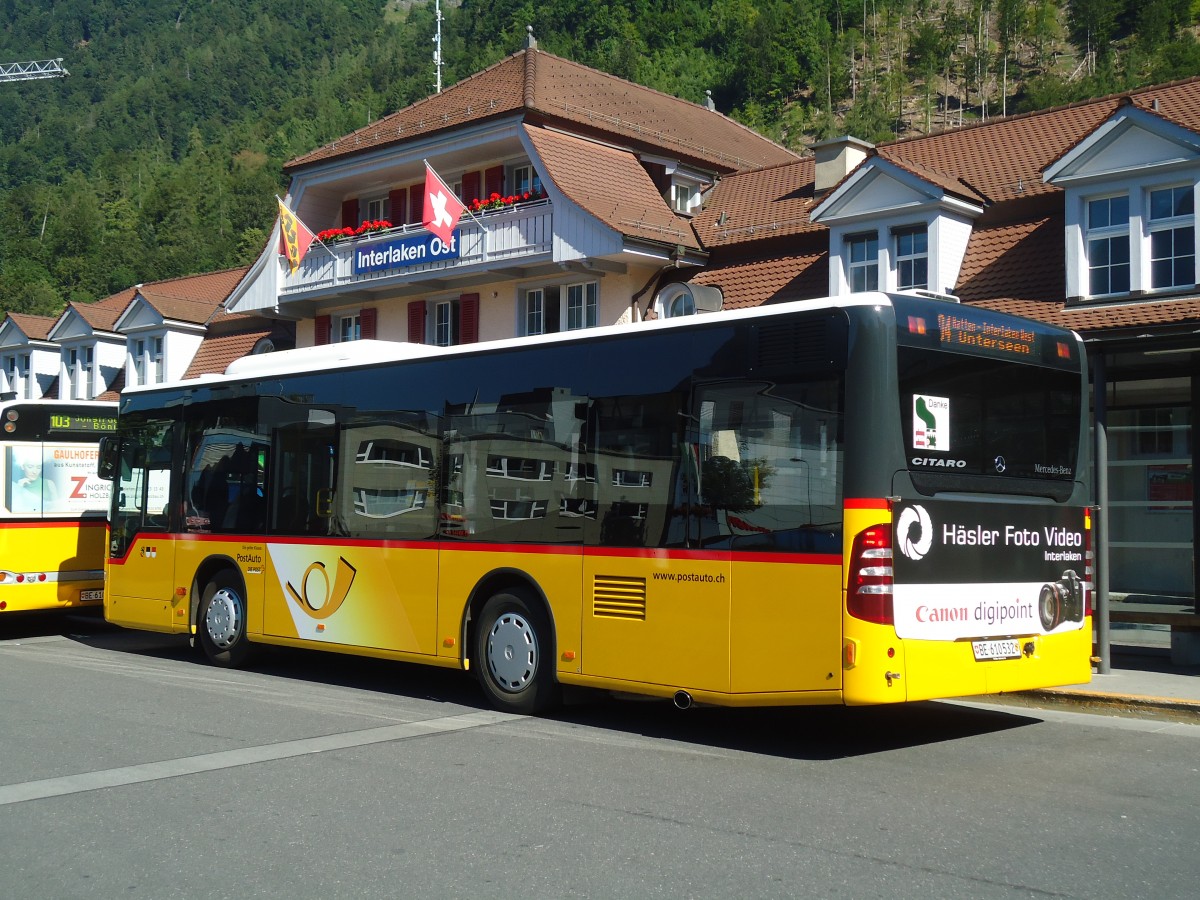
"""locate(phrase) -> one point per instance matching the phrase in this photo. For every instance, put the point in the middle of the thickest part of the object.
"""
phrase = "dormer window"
(79, 375)
(682, 197)
(16, 374)
(1172, 237)
(862, 261)
(1108, 245)
(912, 258)
(147, 354)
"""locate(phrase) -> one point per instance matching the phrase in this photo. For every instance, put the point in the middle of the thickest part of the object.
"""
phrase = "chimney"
(837, 158)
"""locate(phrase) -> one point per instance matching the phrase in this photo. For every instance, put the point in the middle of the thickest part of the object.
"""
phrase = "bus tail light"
(869, 592)
(1089, 564)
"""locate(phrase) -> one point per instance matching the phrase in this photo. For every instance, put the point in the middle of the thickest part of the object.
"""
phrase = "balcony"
(498, 238)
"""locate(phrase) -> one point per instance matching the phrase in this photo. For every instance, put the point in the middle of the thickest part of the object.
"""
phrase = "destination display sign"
(81, 424)
(980, 332)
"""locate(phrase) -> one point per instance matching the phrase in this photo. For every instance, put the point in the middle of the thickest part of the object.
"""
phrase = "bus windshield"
(988, 405)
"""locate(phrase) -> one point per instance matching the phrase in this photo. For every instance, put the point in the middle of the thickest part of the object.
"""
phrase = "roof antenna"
(530, 40)
(437, 45)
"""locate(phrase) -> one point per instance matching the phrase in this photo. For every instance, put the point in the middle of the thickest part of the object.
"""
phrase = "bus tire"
(514, 654)
(221, 621)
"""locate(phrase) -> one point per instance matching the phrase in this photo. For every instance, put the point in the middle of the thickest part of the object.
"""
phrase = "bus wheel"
(513, 654)
(222, 621)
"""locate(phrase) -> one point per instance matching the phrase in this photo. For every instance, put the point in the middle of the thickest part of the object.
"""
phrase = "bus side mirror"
(106, 465)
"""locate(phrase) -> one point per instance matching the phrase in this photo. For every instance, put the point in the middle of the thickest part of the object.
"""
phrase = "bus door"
(656, 604)
(140, 592)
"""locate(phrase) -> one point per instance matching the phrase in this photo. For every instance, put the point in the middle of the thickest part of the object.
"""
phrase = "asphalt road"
(129, 768)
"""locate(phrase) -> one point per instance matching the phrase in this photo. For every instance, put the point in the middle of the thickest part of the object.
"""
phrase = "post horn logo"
(914, 546)
(315, 596)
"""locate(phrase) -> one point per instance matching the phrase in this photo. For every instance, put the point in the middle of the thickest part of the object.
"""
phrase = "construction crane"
(32, 71)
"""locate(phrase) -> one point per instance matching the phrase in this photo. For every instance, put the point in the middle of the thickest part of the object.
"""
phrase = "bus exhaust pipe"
(683, 700)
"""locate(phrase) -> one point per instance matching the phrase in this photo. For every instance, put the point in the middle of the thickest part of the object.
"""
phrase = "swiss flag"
(442, 208)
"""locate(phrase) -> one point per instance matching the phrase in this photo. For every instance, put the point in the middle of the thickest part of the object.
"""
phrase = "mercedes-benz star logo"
(1000, 464)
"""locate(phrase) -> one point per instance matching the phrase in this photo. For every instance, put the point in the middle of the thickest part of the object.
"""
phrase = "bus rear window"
(985, 417)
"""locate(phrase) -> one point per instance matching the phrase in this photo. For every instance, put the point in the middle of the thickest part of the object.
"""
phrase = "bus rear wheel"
(221, 621)
(514, 654)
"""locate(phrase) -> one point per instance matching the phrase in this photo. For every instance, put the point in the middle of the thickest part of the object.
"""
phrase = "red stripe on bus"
(866, 503)
(681, 554)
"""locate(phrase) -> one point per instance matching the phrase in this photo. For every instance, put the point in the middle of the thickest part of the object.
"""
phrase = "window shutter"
(350, 213)
(323, 330)
(397, 206)
(366, 323)
(416, 203)
(468, 318)
(493, 181)
(470, 186)
(416, 322)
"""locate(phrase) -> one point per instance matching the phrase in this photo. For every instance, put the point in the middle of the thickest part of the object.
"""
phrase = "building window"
(545, 309)
(525, 179)
(862, 262)
(682, 197)
(378, 209)
(347, 328)
(1108, 245)
(139, 362)
(445, 323)
(87, 380)
(583, 305)
(147, 357)
(912, 259)
(1172, 238)
(535, 311)
(156, 360)
(16, 371)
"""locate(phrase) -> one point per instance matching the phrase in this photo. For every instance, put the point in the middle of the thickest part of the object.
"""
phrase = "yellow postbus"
(872, 499)
(52, 517)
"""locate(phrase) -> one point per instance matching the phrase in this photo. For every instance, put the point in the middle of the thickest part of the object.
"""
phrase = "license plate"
(996, 650)
(92, 595)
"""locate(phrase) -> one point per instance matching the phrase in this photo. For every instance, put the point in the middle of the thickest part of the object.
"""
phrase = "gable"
(1131, 140)
(875, 189)
(139, 315)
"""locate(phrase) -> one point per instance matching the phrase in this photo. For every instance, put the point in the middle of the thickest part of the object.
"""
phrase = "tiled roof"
(763, 203)
(773, 280)
(195, 298)
(103, 314)
(1020, 260)
(113, 391)
(554, 89)
(1097, 319)
(611, 185)
(219, 350)
(36, 328)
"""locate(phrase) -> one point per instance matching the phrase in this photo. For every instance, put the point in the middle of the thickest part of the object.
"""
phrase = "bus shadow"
(803, 733)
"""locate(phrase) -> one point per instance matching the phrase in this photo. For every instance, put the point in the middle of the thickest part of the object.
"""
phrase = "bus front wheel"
(514, 654)
(221, 621)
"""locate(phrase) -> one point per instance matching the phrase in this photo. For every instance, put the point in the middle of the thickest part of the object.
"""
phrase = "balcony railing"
(499, 236)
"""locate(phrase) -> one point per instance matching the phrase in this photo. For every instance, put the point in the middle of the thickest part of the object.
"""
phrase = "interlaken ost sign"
(402, 252)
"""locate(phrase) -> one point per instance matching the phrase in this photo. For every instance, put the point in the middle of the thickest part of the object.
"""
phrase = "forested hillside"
(160, 155)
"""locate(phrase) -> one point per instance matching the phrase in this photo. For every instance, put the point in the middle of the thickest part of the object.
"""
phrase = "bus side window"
(770, 465)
